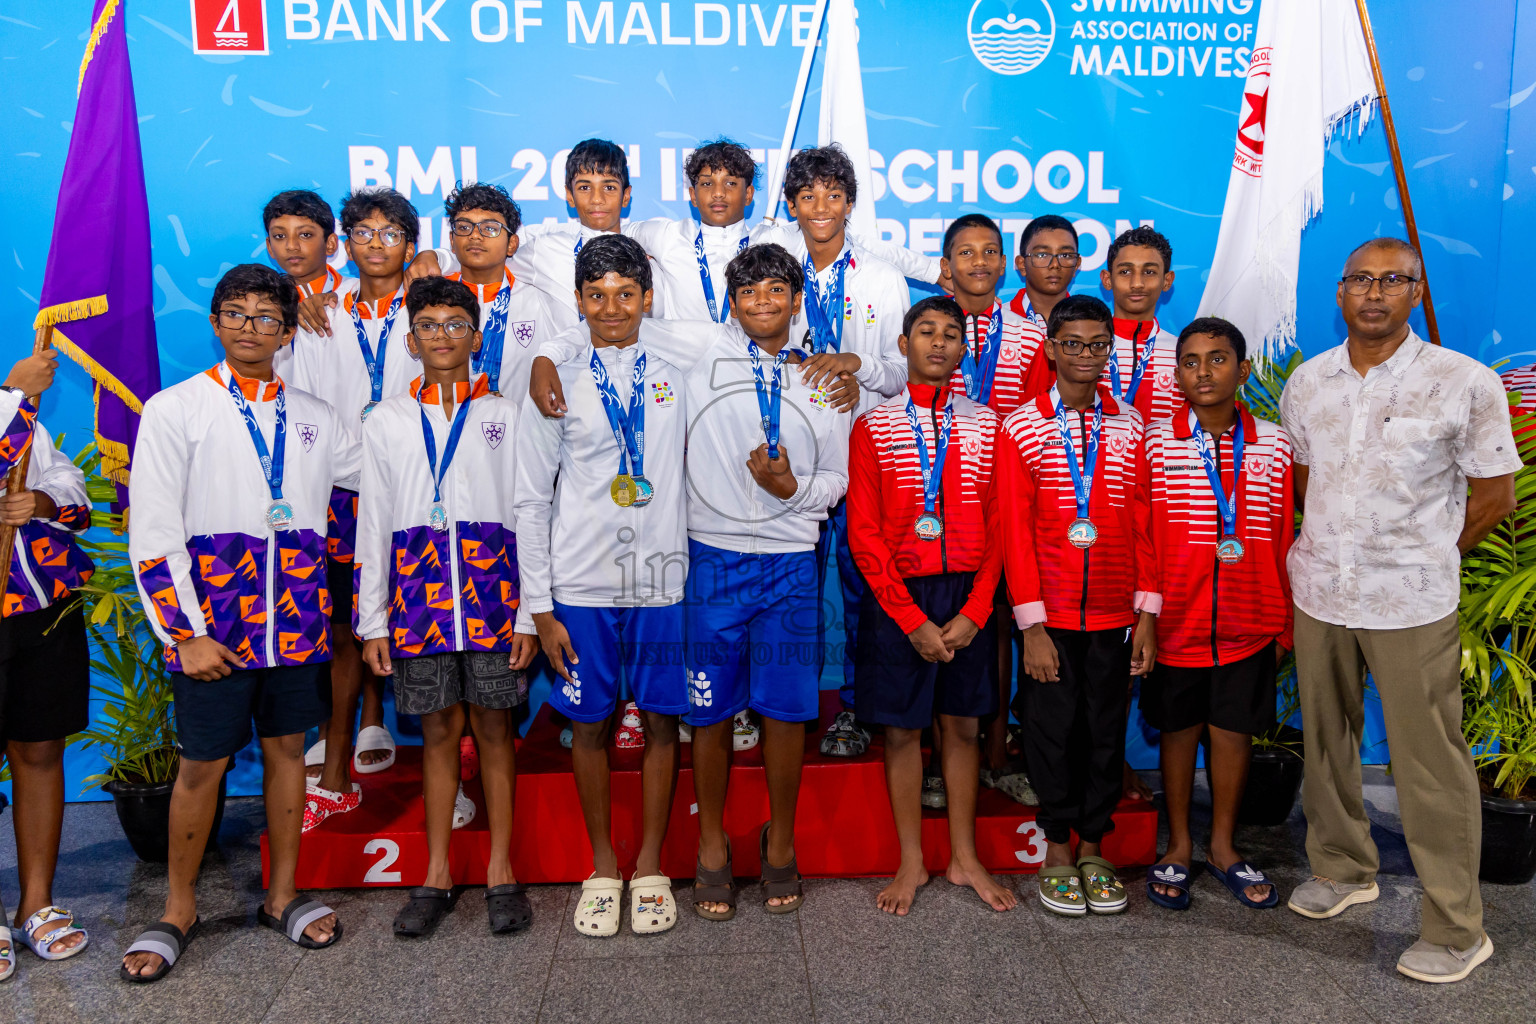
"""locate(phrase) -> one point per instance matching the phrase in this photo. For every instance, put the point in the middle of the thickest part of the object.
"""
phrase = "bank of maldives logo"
(229, 26)
(1011, 36)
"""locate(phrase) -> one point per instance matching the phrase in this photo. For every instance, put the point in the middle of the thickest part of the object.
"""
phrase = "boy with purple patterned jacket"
(230, 485)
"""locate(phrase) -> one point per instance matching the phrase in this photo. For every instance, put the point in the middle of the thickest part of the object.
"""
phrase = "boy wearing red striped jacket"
(922, 528)
(1222, 518)
(1078, 554)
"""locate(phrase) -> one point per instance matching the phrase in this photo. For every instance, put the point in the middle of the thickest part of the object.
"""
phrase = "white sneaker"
(744, 731)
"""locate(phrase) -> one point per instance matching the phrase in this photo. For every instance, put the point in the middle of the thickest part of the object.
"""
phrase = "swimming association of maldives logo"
(1011, 36)
(229, 27)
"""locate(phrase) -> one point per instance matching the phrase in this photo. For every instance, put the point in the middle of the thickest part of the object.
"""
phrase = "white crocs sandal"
(652, 907)
(41, 945)
(314, 757)
(597, 912)
(744, 732)
(369, 739)
(463, 809)
(8, 958)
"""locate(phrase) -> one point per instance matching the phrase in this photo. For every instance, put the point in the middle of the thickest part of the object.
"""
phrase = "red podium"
(844, 827)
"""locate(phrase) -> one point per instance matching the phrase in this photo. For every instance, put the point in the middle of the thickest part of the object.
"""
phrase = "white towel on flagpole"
(842, 109)
(1309, 74)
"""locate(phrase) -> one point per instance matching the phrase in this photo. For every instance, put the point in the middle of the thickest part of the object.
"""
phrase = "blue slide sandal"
(1173, 876)
(1239, 877)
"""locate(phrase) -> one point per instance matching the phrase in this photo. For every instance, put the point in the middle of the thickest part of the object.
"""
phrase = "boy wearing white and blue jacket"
(438, 603)
(229, 490)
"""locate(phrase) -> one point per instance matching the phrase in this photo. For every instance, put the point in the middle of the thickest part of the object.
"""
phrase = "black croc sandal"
(423, 912)
(779, 882)
(164, 940)
(508, 909)
(715, 885)
(300, 913)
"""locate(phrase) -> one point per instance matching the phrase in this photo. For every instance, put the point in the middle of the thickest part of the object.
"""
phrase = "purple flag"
(97, 291)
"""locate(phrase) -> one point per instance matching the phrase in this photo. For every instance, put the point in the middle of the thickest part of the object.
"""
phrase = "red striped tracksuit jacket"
(1216, 614)
(1049, 580)
(1023, 371)
(885, 497)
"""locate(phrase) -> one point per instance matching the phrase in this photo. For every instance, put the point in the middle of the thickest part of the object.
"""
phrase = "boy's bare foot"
(897, 897)
(978, 878)
(319, 930)
(1132, 787)
(140, 964)
(1175, 855)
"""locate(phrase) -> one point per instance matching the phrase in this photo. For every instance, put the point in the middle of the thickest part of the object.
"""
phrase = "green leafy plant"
(1262, 396)
(1497, 618)
(134, 731)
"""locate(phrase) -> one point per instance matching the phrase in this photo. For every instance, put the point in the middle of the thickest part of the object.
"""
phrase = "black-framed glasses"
(488, 228)
(1391, 284)
(234, 320)
(1095, 348)
(391, 237)
(426, 330)
(1045, 259)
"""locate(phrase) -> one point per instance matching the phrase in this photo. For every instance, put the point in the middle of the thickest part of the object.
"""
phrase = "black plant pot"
(144, 811)
(1274, 778)
(1509, 841)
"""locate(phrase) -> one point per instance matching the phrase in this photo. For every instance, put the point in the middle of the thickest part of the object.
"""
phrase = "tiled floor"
(838, 960)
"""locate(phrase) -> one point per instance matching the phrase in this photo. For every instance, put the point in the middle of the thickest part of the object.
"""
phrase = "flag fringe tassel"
(63, 312)
(1279, 245)
(100, 374)
(108, 12)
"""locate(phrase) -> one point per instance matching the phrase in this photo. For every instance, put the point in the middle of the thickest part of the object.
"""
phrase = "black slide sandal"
(423, 912)
(508, 909)
(164, 940)
(779, 882)
(300, 913)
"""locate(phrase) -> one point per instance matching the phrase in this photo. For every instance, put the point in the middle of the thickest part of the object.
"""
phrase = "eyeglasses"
(488, 228)
(391, 237)
(234, 320)
(426, 330)
(1046, 259)
(1391, 284)
(1095, 348)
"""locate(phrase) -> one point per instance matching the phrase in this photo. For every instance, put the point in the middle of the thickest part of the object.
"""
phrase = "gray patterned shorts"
(435, 682)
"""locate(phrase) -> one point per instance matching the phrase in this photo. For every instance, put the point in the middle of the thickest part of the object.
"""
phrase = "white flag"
(1310, 73)
(842, 109)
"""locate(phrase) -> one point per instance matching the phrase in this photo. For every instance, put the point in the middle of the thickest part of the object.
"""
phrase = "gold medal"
(623, 490)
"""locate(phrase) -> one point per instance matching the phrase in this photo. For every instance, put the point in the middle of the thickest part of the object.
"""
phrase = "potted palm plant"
(133, 730)
(1498, 651)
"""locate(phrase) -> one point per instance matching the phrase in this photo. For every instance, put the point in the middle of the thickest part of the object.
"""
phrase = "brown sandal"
(714, 885)
(779, 882)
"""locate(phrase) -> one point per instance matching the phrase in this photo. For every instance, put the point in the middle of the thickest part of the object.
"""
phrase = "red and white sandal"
(320, 804)
(631, 734)
(469, 758)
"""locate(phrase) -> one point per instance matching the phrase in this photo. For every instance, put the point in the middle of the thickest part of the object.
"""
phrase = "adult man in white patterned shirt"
(1404, 461)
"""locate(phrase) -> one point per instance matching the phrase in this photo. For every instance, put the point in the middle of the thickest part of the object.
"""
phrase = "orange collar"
(484, 293)
(326, 282)
(253, 390)
(463, 390)
(370, 310)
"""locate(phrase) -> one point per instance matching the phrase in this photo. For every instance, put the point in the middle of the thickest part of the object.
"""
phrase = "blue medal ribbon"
(716, 313)
(574, 253)
(1082, 476)
(374, 355)
(933, 473)
(1225, 504)
(460, 417)
(271, 462)
(980, 373)
(769, 399)
(493, 337)
(1139, 368)
(825, 315)
(628, 428)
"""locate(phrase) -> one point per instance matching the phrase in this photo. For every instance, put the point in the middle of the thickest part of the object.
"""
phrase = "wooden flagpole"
(16, 479)
(1397, 167)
